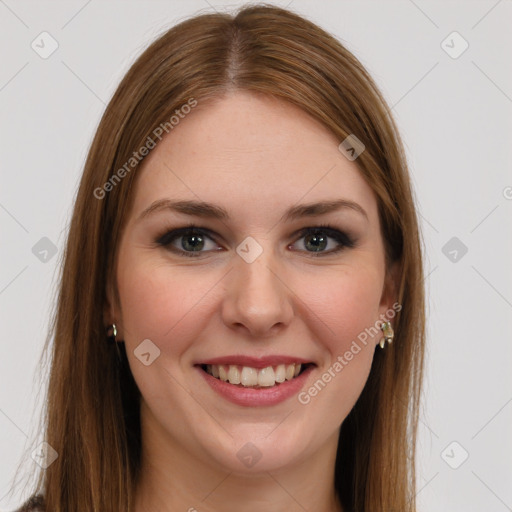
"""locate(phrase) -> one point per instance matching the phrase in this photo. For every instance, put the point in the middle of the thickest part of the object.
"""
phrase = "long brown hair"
(92, 413)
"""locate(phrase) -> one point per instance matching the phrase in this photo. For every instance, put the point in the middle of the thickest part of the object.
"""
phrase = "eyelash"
(165, 239)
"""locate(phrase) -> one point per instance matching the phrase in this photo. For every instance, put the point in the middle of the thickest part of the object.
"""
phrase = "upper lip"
(254, 362)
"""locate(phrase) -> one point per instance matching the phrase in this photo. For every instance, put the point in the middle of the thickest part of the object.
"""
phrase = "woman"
(243, 250)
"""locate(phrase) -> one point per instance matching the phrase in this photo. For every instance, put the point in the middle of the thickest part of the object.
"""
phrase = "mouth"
(255, 378)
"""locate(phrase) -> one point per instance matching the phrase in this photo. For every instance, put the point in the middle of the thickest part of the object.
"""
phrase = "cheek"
(346, 306)
(346, 302)
(160, 303)
(169, 305)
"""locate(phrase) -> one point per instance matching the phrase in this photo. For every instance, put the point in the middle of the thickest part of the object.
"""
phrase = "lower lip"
(250, 397)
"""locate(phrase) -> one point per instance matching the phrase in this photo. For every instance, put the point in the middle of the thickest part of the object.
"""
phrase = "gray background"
(454, 114)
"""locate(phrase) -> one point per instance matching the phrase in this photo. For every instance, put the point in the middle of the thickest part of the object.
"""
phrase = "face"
(260, 285)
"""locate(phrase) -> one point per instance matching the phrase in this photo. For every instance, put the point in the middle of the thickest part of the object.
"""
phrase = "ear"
(390, 288)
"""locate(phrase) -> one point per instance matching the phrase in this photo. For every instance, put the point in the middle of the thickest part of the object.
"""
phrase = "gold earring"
(112, 331)
(388, 332)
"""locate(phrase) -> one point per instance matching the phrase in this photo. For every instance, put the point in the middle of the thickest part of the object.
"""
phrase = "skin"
(255, 157)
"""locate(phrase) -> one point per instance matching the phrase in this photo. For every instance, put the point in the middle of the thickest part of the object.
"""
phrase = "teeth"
(280, 373)
(249, 377)
(234, 375)
(223, 374)
(266, 377)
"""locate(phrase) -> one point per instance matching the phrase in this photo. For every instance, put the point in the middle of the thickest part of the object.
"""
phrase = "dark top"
(33, 504)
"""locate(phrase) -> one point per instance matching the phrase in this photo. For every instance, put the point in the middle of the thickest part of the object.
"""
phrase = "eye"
(192, 241)
(317, 239)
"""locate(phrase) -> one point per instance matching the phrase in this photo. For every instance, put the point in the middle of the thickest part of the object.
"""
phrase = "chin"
(253, 449)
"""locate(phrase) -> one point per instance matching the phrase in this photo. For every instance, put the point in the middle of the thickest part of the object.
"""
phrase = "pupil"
(198, 242)
(319, 242)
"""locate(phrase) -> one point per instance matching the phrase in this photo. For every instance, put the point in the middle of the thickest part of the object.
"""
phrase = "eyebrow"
(209, 210)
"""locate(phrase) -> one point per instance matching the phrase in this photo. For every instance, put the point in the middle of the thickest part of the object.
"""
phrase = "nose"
(258, 301)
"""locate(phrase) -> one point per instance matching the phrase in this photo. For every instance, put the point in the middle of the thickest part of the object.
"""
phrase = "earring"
(388, 332)
(112, 331)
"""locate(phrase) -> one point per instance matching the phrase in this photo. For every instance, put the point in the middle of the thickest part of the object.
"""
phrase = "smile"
(250, 377)
(250, 381)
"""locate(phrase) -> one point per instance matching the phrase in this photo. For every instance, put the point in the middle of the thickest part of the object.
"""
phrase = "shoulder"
(33, 504)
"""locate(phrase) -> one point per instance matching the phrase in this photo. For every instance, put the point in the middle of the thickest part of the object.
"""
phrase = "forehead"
(252, 154)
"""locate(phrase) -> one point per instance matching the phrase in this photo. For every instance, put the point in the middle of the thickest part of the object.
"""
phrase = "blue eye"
(193, 240)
